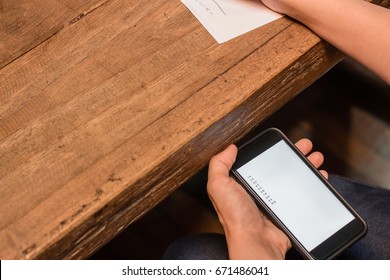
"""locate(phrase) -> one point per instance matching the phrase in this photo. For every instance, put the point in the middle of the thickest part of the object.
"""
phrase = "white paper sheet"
(227, 19)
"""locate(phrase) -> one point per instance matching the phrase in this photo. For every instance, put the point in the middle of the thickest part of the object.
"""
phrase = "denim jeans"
(372, 203)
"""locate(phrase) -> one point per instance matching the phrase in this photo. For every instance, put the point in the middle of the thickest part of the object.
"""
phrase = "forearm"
(253, 245)
(356, 27)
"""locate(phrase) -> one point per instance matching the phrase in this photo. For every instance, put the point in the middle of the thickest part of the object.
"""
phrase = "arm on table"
(356, 27)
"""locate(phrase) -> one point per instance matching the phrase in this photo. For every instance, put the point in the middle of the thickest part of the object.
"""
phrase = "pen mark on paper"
(216, 3)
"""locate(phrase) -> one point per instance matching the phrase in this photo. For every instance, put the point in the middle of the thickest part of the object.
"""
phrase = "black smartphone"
(296, 197)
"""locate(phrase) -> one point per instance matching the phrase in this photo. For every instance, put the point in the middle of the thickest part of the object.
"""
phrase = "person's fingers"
(324, 173)
(221, 163)
(316, 158)
(304, 145)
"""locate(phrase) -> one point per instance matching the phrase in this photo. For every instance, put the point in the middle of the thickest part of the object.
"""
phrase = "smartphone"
(296, 197)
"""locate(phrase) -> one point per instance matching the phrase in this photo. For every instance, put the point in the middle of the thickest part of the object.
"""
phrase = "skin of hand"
(249, 234)
(356, 27)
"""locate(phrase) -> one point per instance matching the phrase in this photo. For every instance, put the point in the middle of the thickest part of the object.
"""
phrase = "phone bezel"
(340, 240)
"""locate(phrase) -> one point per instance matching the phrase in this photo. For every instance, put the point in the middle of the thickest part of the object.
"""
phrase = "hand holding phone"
(319, 223)
(242, 221)
(249, 234)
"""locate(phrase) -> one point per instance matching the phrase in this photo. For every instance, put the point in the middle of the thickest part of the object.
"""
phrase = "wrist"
(256, 244)
(300, 10)
(288, 7)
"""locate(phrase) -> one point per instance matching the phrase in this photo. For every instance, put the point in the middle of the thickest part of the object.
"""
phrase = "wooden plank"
(98, 122)
(45, 113)
(26, 24)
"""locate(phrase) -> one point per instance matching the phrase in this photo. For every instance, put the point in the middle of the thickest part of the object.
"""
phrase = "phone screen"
(297, 196)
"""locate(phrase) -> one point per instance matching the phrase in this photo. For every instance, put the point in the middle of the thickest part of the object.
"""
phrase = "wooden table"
(106, 107)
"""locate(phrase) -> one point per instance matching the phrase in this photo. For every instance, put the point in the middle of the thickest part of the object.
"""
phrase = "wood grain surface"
(106, 107)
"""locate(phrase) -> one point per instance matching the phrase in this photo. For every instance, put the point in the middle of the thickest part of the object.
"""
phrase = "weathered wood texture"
(26, 24)
(107, 106)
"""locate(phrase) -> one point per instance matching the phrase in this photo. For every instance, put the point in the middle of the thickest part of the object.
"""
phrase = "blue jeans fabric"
(373, 204)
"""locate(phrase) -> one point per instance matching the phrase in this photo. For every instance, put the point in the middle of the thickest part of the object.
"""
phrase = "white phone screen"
(296, 195)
